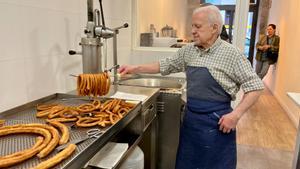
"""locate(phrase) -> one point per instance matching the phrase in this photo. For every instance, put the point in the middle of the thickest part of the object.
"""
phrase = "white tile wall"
(35, 38)
(10, 32)
(13, 88)
(116, 9)
(57, 5)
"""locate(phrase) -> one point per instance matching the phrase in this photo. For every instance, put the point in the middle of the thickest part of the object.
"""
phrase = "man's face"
(270, 31)
(202, 30)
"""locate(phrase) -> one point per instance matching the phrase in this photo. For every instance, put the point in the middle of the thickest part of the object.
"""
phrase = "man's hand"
(142, 68)
(260, 47)
(228, 122)
(266, 47)
(126, 69)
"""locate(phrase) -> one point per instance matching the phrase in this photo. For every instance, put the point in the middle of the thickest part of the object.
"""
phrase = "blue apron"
(201, 144)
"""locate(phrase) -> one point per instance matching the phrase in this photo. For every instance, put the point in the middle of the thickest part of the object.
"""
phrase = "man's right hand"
(142, 68)
(126, 69)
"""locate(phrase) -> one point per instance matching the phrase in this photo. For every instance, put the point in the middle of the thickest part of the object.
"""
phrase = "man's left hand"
(228, 122)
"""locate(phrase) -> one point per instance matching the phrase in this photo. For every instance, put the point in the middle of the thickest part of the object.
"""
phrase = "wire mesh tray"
(27, 114)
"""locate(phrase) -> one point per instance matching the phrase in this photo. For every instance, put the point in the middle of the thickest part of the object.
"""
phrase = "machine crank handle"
(73, 52)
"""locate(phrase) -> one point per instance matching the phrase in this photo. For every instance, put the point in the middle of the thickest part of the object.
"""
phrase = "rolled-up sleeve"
(173, 64)
(245, 76)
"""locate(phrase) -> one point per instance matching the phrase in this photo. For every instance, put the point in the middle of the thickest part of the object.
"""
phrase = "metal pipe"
(90, 10)
(115, 58)
(97, 17)
(102, 14)
(105, 53)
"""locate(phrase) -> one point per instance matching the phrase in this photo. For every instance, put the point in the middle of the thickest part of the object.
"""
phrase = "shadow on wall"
(48, 72)
(41, 72)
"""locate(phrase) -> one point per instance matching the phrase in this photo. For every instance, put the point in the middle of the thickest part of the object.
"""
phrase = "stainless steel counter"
(150, 92)
(86, 150)
(169, 103)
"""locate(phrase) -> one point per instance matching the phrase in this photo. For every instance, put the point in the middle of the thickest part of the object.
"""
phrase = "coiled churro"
(93, 84)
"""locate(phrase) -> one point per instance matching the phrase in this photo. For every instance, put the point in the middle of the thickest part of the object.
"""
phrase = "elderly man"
(215, 71)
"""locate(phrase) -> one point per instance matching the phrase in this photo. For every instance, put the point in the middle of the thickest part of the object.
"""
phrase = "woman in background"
(267, 51)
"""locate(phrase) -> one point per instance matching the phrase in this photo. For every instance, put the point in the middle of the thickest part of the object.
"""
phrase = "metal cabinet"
(169, 110)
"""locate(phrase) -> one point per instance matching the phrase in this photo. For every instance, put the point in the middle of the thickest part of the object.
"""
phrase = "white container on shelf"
(135, 160)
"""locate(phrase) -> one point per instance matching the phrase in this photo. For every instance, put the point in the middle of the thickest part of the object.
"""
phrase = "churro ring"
(113, 117)
(45, 106)
(56, 113)
(97, 104)
(107, 105)
(65, 119)
(103, 123)
(125, 104)
(116, 108)
(113, 104)
(87, 121)
(47, 112)
(104, 104)
(101, 114)
(123, 111)
(43, 113)
(2, 122)
(87, 107)
(68, 113)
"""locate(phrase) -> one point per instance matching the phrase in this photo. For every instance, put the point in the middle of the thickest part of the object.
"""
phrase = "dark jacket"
(272, 52)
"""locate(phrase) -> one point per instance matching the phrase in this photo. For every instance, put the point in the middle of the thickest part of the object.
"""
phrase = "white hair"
(213, 13)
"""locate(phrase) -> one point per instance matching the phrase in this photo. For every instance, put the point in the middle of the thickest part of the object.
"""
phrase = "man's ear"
(215, 28)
